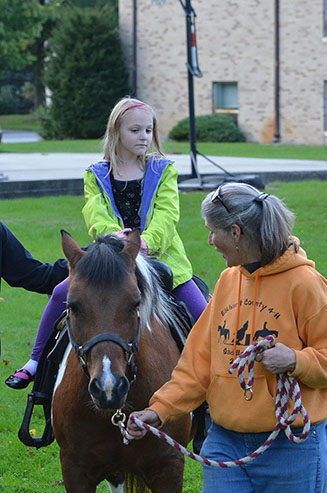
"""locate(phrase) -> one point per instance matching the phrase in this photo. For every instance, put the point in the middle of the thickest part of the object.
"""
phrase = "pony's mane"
(103, 266)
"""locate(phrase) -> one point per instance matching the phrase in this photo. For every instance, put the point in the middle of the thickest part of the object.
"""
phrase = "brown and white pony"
(121, 351)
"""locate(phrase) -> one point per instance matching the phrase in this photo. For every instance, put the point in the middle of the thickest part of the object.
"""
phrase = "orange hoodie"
(287, 299)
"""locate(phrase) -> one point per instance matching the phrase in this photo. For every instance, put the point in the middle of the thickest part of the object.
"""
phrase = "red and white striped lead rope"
(287, 388)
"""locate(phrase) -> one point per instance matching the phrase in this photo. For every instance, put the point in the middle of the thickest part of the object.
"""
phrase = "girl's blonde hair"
(111, 137)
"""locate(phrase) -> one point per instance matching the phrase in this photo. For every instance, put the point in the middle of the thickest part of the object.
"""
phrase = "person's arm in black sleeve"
(20, 269)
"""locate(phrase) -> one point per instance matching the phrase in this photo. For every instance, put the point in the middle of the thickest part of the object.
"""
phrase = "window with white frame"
(325, 106)
(325, 19)
(225, 97)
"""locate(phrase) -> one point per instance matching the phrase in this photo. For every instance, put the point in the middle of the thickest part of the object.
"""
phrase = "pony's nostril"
(95, 388)
(122, 386)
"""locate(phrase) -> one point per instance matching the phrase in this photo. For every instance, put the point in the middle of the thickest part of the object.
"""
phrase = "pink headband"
(134, 105)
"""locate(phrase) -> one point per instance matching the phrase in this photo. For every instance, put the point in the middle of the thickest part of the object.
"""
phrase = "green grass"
(249, 149)
(37, 223)
(271, 151)
(46, 146)
(19, 122)
(209, 149)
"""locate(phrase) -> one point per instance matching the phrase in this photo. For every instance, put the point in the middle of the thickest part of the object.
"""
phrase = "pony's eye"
(135, 307)
(72, 307)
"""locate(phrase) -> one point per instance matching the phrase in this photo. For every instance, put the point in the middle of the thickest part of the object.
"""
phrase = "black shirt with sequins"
(127, 195)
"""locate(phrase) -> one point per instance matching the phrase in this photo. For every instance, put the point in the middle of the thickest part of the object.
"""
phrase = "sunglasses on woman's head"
(216, 197)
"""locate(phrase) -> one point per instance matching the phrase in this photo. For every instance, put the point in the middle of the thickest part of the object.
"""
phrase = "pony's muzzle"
(112, 398)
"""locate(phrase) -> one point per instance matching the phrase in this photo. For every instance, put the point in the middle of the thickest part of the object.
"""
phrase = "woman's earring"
(237, 246)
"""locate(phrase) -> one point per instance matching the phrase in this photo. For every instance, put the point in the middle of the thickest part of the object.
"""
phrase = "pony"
(121, 351)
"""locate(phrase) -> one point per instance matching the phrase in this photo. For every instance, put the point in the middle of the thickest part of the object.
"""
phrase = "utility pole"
(277, 72)
(192, 70)
(134, 74)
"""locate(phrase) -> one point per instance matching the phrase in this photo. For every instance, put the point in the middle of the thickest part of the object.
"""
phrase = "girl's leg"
(52, 312)
(190, 294)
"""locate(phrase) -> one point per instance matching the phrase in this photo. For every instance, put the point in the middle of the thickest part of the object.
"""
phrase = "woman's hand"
(278, 359)
(147, 416)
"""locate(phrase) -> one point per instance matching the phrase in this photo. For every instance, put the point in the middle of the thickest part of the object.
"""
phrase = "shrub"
(209, 128)
(48, 128)
(85, 73)
(8, 100)
(15, 91)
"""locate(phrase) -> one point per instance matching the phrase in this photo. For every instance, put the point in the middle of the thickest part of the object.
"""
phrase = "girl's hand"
(147, 416)
(278, 359)
(123, 233)
(144, 248)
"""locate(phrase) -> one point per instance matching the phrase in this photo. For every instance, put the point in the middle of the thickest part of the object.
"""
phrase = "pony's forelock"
(102, 266)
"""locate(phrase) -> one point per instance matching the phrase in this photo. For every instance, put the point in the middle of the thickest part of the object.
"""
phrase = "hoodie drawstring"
(239, 310)
(254, 305)
(238, 314)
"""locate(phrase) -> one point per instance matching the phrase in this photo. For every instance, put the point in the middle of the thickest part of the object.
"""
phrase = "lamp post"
(277, 79)
(134, 73)
(192, 70)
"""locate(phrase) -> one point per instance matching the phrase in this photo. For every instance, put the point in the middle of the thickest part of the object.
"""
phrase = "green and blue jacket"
(159, 211)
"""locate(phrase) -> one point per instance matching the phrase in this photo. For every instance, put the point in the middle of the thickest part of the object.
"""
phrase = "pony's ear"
(132, 245)
(71, 249)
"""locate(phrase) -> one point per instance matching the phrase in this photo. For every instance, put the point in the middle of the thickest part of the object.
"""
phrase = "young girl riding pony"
(128, 189)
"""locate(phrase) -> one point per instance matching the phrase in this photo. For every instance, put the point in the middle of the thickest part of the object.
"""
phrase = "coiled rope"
(287, 388)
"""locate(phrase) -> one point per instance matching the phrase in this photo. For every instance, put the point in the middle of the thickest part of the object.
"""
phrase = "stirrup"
(45, 379)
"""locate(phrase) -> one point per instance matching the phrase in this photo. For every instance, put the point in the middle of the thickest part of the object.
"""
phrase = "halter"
(128, 348)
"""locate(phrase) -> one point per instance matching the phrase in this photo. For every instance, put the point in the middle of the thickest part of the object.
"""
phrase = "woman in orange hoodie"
(269, 288)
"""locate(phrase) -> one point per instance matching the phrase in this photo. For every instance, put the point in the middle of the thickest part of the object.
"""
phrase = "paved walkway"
(36, 166)
(36, 174)
(12, 136)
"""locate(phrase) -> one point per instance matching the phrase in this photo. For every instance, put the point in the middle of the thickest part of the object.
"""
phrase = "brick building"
(237, 53)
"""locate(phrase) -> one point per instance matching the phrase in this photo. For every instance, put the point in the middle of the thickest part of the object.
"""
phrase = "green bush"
(85, 73)
(209, 128)
(8, 100)
(49, 130)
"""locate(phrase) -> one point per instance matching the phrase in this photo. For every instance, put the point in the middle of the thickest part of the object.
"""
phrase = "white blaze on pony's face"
(108, 379)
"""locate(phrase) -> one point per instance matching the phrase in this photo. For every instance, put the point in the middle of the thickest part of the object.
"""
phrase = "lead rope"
(287, 388)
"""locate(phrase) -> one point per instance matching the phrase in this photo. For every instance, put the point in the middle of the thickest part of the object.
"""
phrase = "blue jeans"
(284, 467)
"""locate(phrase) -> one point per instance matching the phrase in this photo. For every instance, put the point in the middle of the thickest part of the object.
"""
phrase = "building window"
(325, 106)
(225, 97)
(325, 18)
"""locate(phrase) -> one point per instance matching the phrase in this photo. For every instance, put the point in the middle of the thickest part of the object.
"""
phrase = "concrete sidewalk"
(36, 174)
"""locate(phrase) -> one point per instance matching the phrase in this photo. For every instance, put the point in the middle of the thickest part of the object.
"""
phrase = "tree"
(50, 14)
(20, 26)
(24, 27)
(85, 72)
